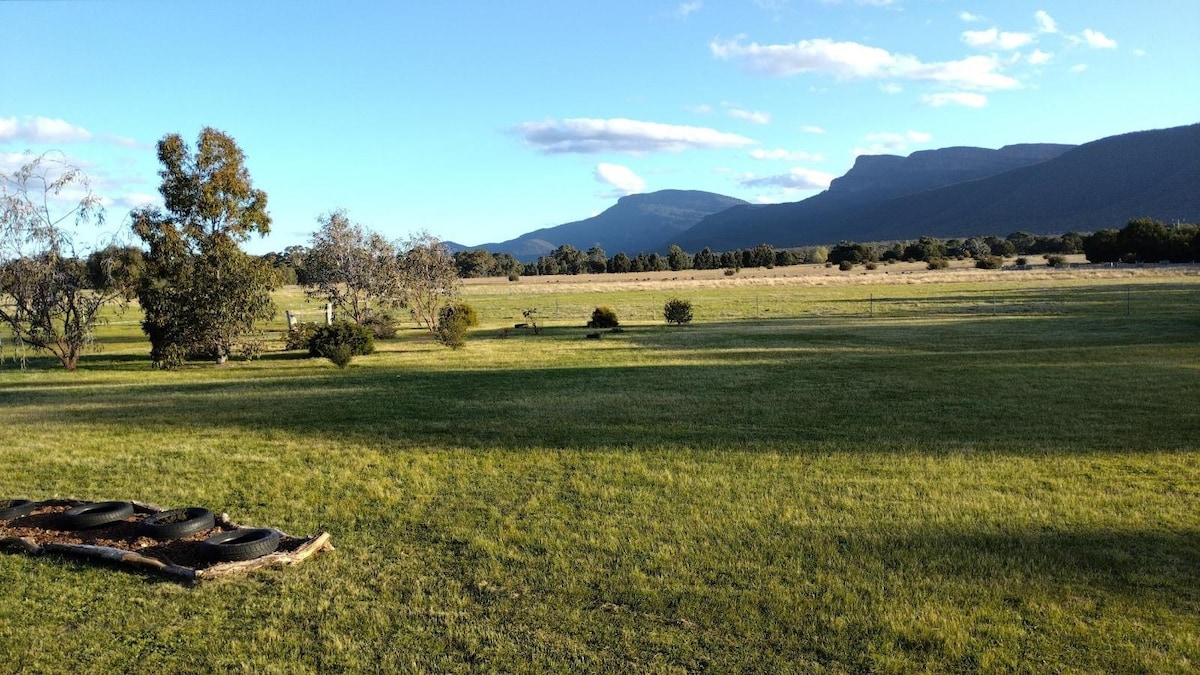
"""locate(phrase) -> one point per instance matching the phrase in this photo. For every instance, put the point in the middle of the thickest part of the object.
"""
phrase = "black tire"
(96, 514)
(244, 544)
(178, 523)
(15, 508)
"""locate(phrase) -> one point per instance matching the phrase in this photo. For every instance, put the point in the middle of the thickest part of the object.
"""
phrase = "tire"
(178, 523)
(96, 514)
(15, 508)
(244, 544)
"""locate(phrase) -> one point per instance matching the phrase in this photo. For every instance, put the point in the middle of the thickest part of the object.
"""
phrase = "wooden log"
(123, 557)
(320, 542)
(26, 544)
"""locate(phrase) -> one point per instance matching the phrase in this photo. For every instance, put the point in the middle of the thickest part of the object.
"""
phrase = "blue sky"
(479, 121)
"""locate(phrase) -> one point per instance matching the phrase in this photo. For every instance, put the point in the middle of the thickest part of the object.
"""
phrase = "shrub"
(938, 264)
(990, 262)
(1056, 261)
(327, 340)
(603, 317)
(382, 326)
(340, 355)
(730, 271)
(1022, 261)
(513, 276)
(300, 335)
(453, 322)
(845, 266)
(871, 266)
(462, 312)
(677, 311)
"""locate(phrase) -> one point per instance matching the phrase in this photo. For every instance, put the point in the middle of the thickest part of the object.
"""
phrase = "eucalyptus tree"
(47, 300)
(428, 278)
(202, 294)
(352, 268)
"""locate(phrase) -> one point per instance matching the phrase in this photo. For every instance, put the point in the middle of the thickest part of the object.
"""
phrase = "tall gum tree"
(202, 294)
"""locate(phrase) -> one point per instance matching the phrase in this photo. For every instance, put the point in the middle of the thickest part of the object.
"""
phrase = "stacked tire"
(11, 509)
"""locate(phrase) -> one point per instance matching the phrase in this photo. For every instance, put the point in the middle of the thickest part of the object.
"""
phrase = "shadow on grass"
(1013, 385)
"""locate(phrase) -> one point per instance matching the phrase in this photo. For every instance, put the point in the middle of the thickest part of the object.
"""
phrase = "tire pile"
(165, 526)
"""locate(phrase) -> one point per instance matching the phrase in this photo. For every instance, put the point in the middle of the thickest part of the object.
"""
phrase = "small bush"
(453, 322)
(1022, 261)
(730, 271)
(462, 312)
(340, 355)
(382, 326)
(300, 335)
(603, 317)
(677, 311)
(514, 277)
(1056, 261)
(871, 266)
(845, 266)
(991, 262)
(938, 264)
(328, 339)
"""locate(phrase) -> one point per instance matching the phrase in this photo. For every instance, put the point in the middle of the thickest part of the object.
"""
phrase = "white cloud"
(1078, 68)
(620, 177)
(1099, 40)
(788, 155)
(994, 38)
(752, 116)
(1038, 57)
(969, 17)
(796, 179)
(968, 99)
(890, 143)
(41, 130)
(850, 60)
(811, 129)
(585, 135)
(1045, 24)
(687, 8)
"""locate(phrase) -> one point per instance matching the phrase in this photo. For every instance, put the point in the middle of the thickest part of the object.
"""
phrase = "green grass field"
(969, 475)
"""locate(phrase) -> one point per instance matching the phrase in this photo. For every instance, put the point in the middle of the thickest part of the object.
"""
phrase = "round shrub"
(462, 312)
(871, 265)
(300, 335)
(453, 322)
(991, 262)
(938, 264)
(383, 326)
(845, 266)
(603, 317)
(327, 341)
(1056, 260)
(677, 311)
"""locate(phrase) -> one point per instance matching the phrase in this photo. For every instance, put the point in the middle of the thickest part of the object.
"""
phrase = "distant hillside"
(635, 223)
(1052, 189)
(872, 180)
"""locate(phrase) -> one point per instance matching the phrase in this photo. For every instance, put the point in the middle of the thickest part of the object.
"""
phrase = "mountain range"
(950, 192)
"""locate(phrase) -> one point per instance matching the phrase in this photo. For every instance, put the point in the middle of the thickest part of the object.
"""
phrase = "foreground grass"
(959, 489)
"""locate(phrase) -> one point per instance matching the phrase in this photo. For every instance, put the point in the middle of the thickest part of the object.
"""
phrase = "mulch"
(123, 542)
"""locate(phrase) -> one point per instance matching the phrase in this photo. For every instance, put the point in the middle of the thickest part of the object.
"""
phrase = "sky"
(480, 121)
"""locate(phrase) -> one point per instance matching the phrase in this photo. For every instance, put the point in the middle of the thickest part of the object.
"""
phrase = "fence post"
(329, 314)
(291, 319)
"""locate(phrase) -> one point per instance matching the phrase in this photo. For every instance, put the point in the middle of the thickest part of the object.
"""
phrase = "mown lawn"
(967, 476)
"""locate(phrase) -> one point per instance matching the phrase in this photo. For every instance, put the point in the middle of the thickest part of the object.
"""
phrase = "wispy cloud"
(994, 38)
(967, 99)
(889, 143)
(41, 130)
(587, 135)
(788, 155)
(969, 17)
(1095, 38)
(622, 178)
(812, 129)
(686, 9)
(851, 60)
(796, 179)
(1038, 57)
(1045, 24)
(753, 116)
